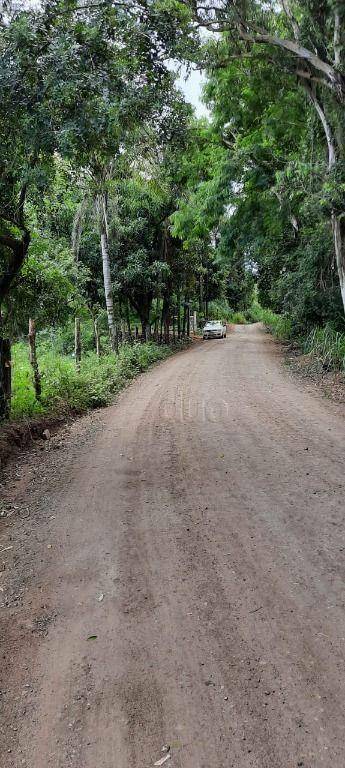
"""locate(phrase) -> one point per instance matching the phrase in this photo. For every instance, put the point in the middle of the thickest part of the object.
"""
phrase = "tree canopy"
(115, 197)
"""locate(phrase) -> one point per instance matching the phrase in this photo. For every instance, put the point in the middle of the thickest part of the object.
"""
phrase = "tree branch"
(306, 74)
(249, 33)
(335, 78)
(287, 8)
(337, 37)
(332, 155)
(21, 203)
(18, 250)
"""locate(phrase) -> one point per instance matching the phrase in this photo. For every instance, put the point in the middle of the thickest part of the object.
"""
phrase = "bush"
(238, 318)
(328, 346)
(220, 310)
(62, 386)
(280, 325)
(254, 313)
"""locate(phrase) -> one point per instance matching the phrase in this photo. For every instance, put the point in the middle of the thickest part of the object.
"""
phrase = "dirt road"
(197, 529)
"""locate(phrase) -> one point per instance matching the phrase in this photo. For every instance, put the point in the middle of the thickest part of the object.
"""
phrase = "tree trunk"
(184, 322)
(338, 226)
(161, 324)
(128, 321)
(33, 358)
(167, 329)
(18, 250)
(5, 378)
(97, 336)
(201, 294)
(337, 37)
(156, 324)
(145, 329)
(178, 311)
(166, 318)
(338, 223)
(77, 343)
(108, 291)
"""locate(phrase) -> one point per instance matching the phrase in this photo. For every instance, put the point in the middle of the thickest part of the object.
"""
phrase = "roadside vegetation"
(221, 310)
(326, 345)
(64, 389)
(122, 214)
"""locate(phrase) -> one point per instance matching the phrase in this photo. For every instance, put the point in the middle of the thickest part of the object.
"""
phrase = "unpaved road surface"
(197, 529)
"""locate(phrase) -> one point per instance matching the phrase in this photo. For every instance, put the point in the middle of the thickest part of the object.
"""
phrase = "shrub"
(96, 384)
(220, 310)
(328, 346)
(280, 325)
(238, 318)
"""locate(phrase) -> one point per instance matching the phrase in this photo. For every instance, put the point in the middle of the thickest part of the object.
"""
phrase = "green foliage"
(141, 266)
(64, 388)
(61, 338)
(327, 346)
(219, 309)
(280, 192)
(46, 289)
(196, 213)
(238, 318)
(279, 325)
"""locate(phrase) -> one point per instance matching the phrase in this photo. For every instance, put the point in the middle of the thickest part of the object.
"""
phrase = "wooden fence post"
(33, 358)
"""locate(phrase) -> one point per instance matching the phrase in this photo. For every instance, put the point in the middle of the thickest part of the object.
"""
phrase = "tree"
(75, 79)
(46, 108)
(300, 39)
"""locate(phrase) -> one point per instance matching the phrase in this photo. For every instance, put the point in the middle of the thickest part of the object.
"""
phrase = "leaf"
(92, 637)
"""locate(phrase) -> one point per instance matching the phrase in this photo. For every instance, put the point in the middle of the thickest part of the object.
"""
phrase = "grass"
(327, 346)
(238, 318)
(64, 388)
(279, 325)
(220, 310)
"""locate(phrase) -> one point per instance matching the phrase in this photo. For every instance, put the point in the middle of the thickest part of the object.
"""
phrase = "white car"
(214, 329)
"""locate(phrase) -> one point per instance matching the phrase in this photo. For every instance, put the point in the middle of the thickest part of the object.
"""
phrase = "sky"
(192, 88)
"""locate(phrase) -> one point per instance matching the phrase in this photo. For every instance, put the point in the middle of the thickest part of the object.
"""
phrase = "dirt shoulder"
(17, 436)
(311, 372)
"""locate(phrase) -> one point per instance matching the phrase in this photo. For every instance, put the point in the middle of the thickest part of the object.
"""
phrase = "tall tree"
(301, 39)
(76, 78)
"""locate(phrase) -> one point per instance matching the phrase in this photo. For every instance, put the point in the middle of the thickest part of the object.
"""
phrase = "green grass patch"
(279, 325)
(62, 386)
(220, 310)
(238, 318)
(327, 346)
